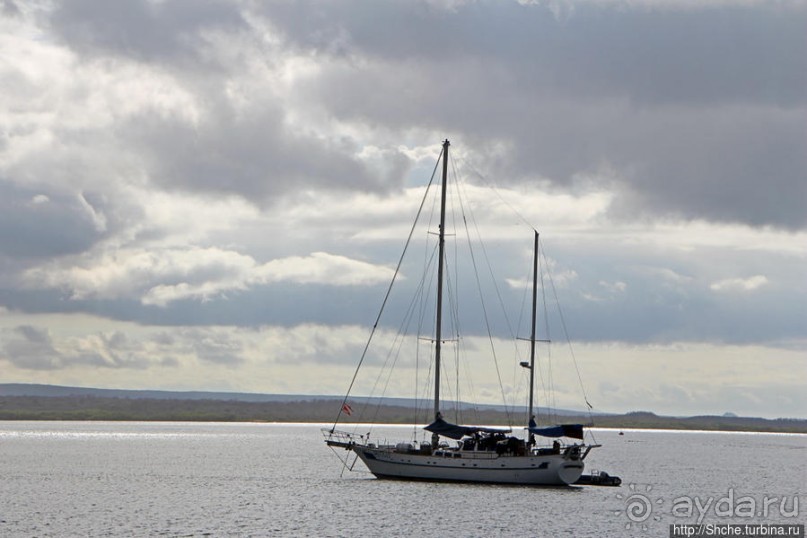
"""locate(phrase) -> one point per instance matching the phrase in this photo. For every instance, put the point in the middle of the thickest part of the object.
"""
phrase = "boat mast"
(439, 322)
(534, 315)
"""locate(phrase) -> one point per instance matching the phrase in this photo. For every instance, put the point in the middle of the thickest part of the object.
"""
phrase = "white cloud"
(740, 284)
(128, 272)
(160, 276)
(323, 268)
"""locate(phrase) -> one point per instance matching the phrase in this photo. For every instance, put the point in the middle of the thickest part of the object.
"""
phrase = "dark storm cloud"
(700, 111)
(713, 54)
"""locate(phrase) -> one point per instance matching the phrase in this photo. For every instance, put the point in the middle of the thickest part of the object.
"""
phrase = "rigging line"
(493, 187)
(498, 194)
(493, 348)
(387, 294)
(569, 341)
(474, 406)
(394, 350)
(552, 411)
(424, 397)
(417, 377)
(461, 363)
(429, 377)
(518, 352)
(459, 354)
(545, 390)
(553, 408)
(459, 348)
(397, 344)
(513, 334)
(424, 301)
(424, 305)
(454, 299)
(528, 224)
(498, 294)
(490, 271)
(524, 294)
(546, 381)
(417, 399)
(485, 312)
(455, 302)
(452, 296)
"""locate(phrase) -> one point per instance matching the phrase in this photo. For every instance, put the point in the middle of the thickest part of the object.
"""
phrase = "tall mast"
(534, 315)
(438, 330)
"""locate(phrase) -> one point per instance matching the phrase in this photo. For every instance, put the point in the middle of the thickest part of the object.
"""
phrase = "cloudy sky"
(200, 195)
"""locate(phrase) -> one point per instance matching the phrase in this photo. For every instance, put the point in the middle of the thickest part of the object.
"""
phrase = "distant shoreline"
(324, 410)
(320, 424)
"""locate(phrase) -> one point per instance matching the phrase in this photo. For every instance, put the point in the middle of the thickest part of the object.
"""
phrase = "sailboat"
(471, 454)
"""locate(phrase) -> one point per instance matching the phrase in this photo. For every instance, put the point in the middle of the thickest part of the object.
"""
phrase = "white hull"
(468, 466)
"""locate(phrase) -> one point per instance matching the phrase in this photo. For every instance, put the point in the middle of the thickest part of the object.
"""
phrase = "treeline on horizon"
(94, 408)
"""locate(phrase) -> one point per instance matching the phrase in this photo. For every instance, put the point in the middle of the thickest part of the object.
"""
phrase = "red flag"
(347, 409)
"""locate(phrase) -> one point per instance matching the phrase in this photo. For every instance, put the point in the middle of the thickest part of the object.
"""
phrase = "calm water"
(175, 479)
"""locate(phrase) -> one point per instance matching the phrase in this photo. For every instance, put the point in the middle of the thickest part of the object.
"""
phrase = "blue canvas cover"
(574, 431)
(452, 431)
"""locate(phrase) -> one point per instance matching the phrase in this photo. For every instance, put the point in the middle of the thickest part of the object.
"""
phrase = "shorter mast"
(534, 316)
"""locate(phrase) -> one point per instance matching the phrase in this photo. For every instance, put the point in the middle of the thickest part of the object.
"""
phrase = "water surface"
(200, 479)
